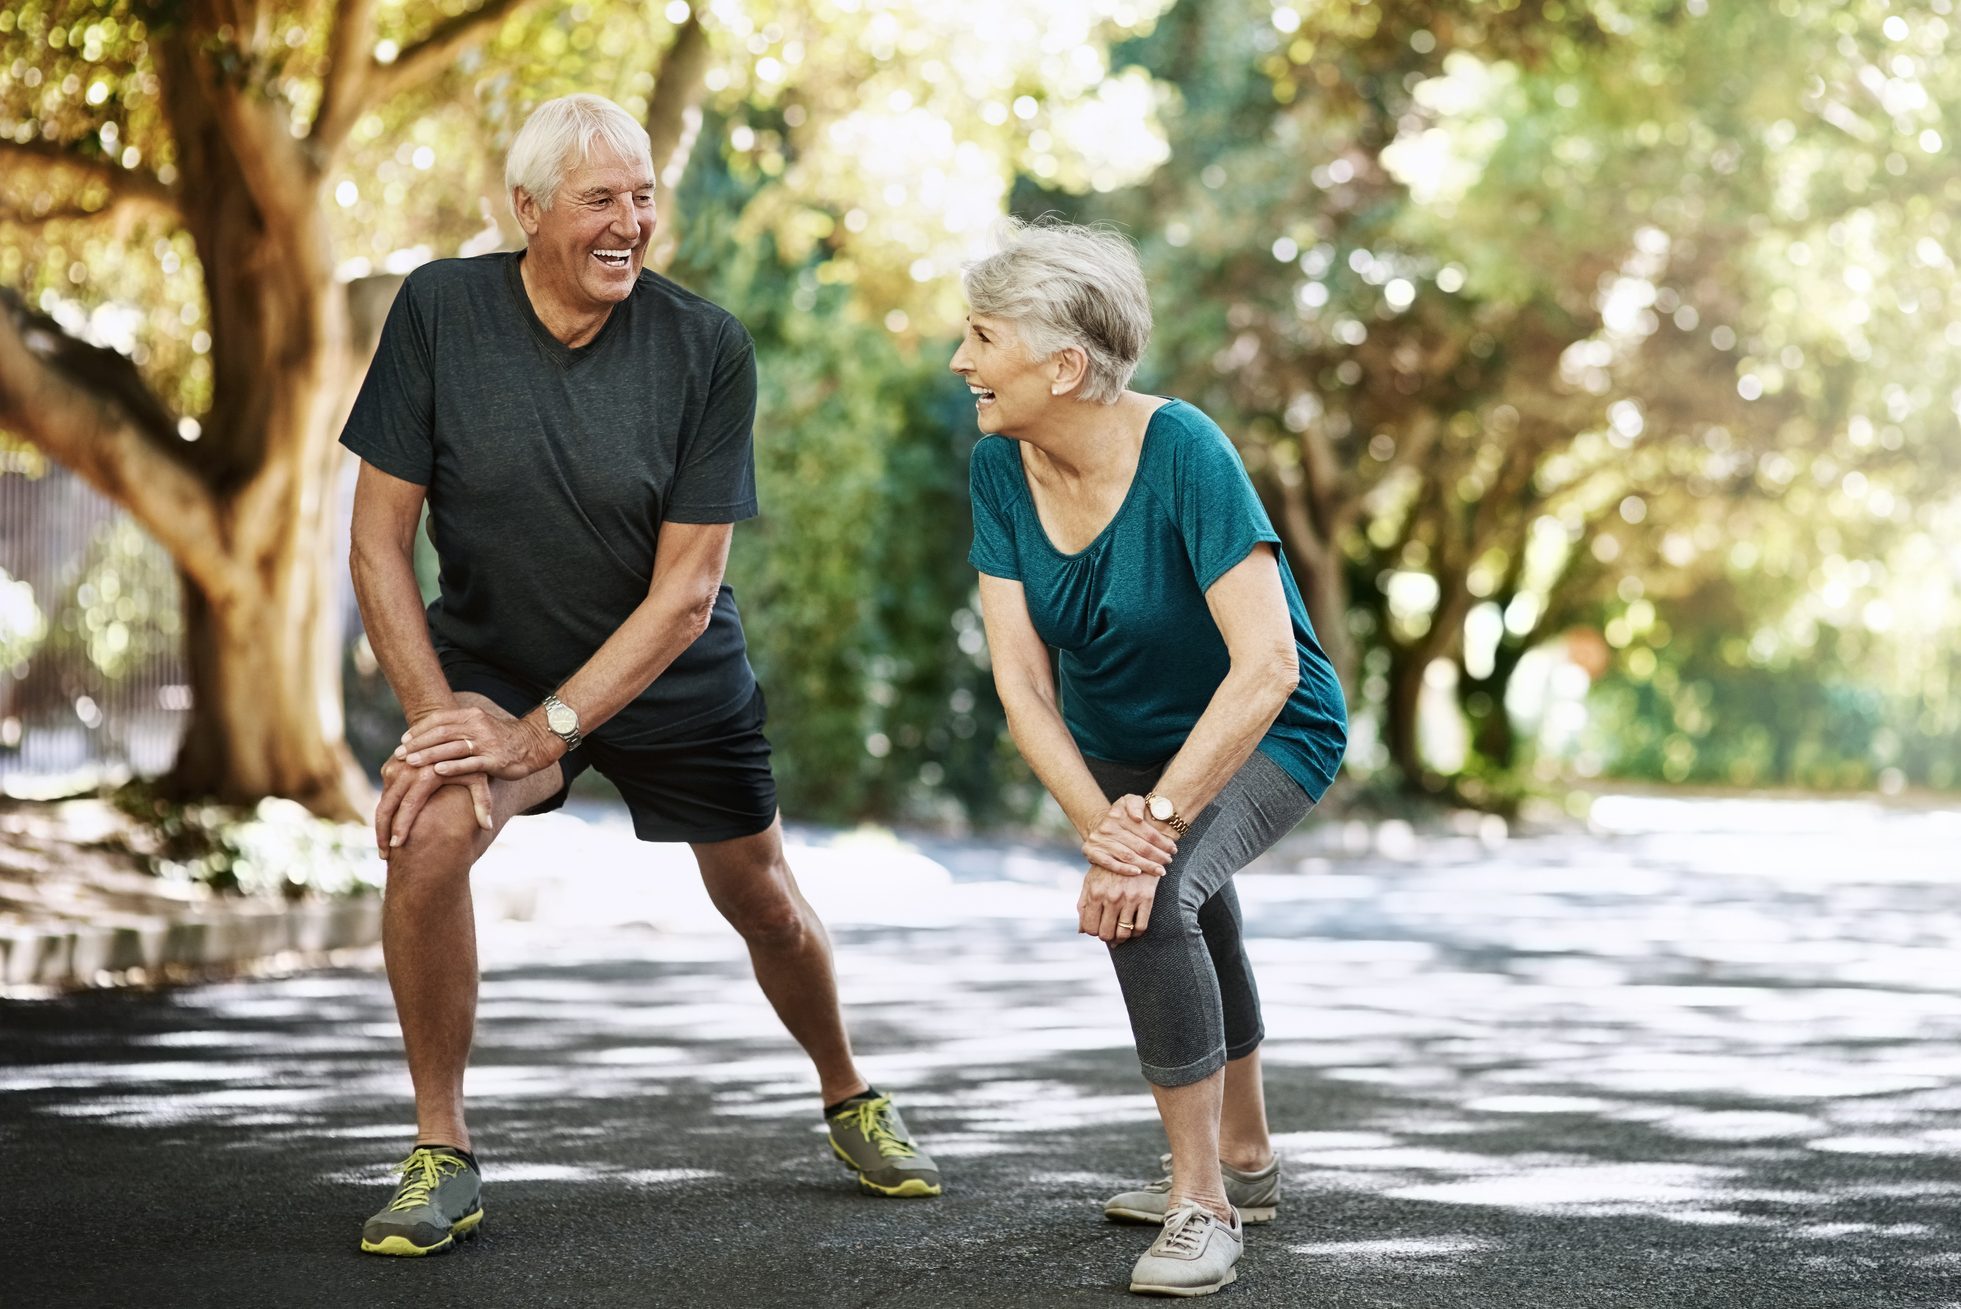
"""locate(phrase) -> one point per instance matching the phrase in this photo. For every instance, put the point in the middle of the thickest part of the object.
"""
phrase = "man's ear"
(527, 210)
(1067, 369)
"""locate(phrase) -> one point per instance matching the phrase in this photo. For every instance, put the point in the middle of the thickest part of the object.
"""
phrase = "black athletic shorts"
(714, 786)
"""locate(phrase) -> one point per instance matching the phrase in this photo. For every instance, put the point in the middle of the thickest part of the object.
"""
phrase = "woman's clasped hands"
(1127, 853)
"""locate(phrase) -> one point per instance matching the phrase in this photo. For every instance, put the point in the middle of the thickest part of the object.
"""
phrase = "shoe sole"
(910, 1189)
(1141, 1288)
(464, 1227)
(1252, 1217)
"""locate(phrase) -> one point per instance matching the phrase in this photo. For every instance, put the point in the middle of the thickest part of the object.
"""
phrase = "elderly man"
(580, 429)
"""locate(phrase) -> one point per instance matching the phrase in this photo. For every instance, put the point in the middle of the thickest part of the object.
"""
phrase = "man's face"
(587, 249)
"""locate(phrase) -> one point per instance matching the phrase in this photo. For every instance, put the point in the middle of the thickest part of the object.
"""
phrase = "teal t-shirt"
(1137, 652)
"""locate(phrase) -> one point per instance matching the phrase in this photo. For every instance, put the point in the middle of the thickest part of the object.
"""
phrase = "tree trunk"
(1493, 736)
(265, 679)
(1324, 590)
(248, 510)
(1401, 715)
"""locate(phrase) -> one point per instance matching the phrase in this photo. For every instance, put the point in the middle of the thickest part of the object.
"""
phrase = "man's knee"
(769, 919)
(442, 844)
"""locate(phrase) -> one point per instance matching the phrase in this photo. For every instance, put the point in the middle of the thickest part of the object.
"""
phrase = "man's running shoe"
(1255, 1195)
(871, 1139)
(440, 1199)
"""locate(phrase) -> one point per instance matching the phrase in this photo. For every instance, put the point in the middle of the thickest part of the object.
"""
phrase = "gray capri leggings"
(1186, 980)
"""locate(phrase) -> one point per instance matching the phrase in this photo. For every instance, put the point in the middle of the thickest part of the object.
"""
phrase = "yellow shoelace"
(873, 1119)
(422, 1172)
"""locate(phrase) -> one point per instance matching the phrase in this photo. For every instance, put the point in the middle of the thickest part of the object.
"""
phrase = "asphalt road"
(1705, 1056)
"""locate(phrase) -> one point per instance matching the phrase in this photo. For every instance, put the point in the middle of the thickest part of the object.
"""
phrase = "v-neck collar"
(565, 356)
(1130, 492)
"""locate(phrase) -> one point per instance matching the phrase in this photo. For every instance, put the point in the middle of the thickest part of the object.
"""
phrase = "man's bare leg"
(429, 940)
(750, 882)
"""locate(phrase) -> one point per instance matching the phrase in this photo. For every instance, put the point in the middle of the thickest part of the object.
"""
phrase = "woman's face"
(1009, 388)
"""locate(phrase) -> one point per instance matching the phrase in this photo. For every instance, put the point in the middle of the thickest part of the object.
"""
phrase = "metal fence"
(91, 621)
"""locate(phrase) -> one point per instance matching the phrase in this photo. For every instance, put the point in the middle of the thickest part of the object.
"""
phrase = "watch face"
(1161, 808)
(561, 719)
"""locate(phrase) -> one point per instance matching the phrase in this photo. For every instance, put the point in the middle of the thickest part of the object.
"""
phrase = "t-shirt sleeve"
(994, 537)
(716, 479)
(392, 424)
(1219, 513)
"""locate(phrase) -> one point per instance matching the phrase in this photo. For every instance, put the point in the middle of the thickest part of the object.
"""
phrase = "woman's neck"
(1089, 443)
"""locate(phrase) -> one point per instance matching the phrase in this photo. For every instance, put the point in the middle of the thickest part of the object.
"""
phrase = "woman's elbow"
(1279, 672)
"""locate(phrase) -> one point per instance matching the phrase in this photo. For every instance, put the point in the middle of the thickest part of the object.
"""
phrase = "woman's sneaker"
(1195, 1254)
(870, 1138)
(440, 1199)
(1255, 1195)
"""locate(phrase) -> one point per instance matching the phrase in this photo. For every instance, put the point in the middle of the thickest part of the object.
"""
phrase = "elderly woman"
(1188, 718)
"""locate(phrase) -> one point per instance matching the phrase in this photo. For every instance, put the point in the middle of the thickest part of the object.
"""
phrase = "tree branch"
(677, 89)
(126, 186)
(88, 408)
(344, 85)
(673, 119)
(435, 51)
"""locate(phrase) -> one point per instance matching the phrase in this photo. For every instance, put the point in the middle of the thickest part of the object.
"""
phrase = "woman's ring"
(1127, 925)
(472, 745)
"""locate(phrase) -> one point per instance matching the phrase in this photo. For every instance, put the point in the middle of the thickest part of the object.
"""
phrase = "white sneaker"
(1255, 1195)
(1193, 1255)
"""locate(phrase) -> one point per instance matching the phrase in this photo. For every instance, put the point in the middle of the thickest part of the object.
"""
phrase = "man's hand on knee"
(481, 740)
(406, 788)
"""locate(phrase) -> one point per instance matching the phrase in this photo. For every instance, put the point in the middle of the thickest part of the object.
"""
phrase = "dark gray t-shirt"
(550, 471)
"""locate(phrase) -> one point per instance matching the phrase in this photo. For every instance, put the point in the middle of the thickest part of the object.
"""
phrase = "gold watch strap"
(1175, 822)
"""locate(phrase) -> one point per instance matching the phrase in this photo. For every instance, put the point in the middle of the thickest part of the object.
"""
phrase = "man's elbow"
(700, 612)
(361, 558)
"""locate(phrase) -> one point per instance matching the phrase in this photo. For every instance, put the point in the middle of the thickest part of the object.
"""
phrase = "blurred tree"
(207, 206)
(219, 122)
(1511, 323)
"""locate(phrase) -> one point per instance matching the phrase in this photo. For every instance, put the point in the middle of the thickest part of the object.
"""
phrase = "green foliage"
(275, 848)
(855, 590)
(22, 625)
(123, 609)
(1538, 309)
(1628, 315)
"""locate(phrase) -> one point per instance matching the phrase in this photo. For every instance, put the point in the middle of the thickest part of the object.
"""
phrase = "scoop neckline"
(1123, 506)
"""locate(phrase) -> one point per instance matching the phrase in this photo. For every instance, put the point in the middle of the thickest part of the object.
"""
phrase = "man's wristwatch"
(1161, 808)
(563, 720)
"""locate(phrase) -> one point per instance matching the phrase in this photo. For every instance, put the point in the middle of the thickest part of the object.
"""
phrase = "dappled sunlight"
(1570, 1027)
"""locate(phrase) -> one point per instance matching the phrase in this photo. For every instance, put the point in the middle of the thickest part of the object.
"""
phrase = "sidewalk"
(1703, 1059)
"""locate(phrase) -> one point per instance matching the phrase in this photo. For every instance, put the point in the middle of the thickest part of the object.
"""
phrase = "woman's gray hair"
(561, 133)
(1062, 284)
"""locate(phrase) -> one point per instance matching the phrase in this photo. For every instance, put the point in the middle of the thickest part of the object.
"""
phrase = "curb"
(214, 936)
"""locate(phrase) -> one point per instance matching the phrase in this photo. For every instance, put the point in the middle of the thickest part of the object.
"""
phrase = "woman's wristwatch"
(1161, 808)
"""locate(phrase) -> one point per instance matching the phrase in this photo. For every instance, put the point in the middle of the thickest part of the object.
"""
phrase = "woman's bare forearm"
(1051, 752)
(1239, 714)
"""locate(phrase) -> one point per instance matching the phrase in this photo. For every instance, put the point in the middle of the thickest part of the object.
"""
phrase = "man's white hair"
(560, 134)
(1063, 284)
